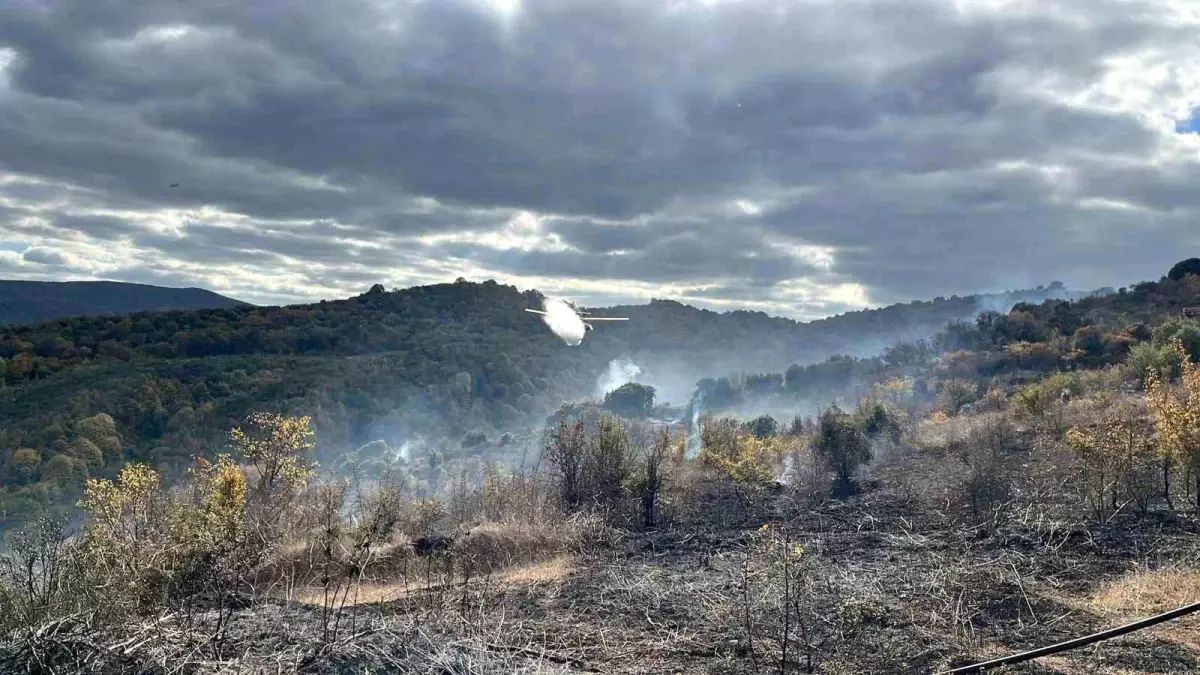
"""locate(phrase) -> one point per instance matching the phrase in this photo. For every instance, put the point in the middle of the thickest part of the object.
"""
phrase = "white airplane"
(566, 322)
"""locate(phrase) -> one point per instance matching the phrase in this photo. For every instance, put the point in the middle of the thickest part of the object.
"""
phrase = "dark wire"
(1077, 642)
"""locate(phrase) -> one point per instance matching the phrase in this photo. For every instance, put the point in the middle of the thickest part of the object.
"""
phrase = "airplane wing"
(606, 318)
(535, 311)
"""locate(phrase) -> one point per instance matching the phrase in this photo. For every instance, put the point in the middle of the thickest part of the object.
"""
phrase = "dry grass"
(1144, 593)
(1136, 595)
(376, 592)
(1065, 666)
(1148, 592)
(550, 570)
(493, 546)
(495, 552)
(487, 548)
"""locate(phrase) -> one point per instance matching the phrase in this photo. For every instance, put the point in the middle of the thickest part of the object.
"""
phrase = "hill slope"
(25, 302)
(418, 368)
(698, 343)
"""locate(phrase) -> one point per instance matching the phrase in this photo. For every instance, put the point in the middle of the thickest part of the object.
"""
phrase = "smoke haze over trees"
(419, 369)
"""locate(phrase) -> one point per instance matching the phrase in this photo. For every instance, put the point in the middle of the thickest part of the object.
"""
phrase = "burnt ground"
(884, 585)
(885, 591)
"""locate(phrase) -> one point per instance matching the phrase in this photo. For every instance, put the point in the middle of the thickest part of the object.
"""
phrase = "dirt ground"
(883, 585)
(886, 588)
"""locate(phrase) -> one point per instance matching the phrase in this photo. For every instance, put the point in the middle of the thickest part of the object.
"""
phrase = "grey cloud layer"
(936, 150)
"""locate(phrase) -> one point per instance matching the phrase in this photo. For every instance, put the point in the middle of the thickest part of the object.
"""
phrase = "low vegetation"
(889, 538)
(445, 363)
(1013, 483)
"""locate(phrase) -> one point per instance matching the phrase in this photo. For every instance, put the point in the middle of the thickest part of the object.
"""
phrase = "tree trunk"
(1187, 483)
(648, 502)
(1167, 482)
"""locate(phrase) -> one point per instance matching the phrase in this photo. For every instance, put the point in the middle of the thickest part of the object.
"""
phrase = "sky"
(802, 158)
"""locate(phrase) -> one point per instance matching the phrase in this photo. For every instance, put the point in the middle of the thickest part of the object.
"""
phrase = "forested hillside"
(994, 355)
(421, 366)
(24, 302)
(715, 341)
(1018, 460)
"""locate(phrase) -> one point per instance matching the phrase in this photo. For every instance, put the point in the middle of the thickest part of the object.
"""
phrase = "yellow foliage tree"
(126, 538)
(747, 460)
(277, 449)
(755, 462)
(898, 391)
(1176, 413)
(216, 520)
(144, 545)
(1112, 455)
(1035, 400)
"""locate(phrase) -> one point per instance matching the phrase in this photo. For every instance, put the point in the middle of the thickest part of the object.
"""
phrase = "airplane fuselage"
(567, 323)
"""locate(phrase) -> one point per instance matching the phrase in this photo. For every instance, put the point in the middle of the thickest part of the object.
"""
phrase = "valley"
(1010, 480)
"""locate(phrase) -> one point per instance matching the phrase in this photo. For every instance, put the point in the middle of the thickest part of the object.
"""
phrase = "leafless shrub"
(658, 464)
(780, 628)
(38, 573)
(806, 474)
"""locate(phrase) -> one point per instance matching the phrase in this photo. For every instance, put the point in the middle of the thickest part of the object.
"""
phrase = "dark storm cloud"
(932, 149)
(592, 237)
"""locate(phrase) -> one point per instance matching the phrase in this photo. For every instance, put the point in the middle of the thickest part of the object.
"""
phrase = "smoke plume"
(620, 371)
(693, 438)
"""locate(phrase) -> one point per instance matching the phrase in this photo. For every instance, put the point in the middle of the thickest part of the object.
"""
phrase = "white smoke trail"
(693, 440)
(559, 317)
(404, 451)
(376, 448)
(789, 466)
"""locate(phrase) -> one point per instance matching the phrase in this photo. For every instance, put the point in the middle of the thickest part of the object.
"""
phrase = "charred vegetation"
(1022, 479)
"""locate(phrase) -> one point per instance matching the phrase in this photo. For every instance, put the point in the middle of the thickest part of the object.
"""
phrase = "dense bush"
(630, 400)
(843, 447)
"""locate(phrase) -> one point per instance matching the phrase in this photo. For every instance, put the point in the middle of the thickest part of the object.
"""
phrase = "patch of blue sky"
(14, 246)
(1190, 125)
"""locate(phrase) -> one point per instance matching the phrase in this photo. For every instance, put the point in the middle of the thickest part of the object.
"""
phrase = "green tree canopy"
(762, 427)
(843, 447)
(630, 399)
(1184, 268)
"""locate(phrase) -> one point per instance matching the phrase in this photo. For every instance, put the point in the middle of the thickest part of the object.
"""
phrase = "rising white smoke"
(619, 372)
(381, 450)
(693, 439)
(403, 452)
(789, 468)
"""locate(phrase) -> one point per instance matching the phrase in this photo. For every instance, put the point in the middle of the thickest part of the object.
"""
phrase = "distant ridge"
(25, 302)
